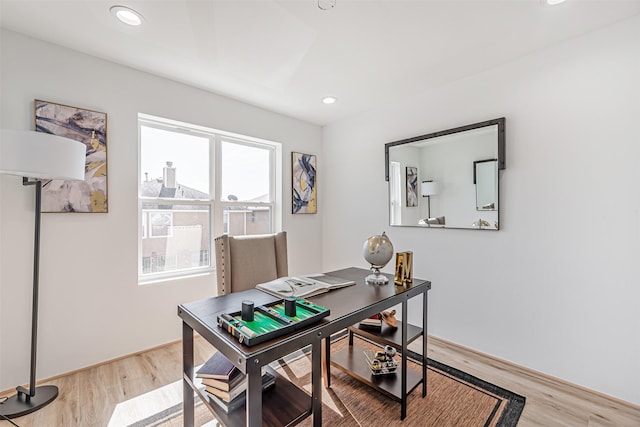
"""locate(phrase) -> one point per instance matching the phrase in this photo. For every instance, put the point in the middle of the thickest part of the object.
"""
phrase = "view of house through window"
(196, 184)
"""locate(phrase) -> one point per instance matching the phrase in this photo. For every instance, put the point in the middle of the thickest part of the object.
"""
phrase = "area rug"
(454, 398)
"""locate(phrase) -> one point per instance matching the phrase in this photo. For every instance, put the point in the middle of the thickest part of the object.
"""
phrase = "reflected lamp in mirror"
(428, 189)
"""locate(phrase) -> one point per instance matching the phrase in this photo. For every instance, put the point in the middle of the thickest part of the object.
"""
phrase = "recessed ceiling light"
(555, 2)
(126, 15)
(326, 4)
(329, 100)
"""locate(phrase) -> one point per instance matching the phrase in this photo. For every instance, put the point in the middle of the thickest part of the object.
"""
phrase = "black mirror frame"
(501, 141)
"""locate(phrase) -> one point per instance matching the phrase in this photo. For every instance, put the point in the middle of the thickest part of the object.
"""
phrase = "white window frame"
(215, 204)
(395, 194)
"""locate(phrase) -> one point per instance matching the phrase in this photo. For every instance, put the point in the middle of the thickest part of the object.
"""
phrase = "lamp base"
(376, 279)
(19, 405)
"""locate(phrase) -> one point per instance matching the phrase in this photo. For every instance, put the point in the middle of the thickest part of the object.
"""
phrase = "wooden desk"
(287, 404)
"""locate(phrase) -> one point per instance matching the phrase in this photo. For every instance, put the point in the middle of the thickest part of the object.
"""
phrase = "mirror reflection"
(485, 177)
(447, 179)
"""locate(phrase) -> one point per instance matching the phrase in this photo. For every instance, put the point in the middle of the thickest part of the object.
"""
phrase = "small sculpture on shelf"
(389, 317)
(383, 361)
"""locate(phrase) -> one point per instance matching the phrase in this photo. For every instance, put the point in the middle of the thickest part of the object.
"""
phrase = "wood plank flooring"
(549, 400)
(124, 391)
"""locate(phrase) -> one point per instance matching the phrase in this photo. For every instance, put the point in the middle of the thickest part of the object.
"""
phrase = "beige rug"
(454, 398)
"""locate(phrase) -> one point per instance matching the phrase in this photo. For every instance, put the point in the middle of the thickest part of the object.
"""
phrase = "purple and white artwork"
(303, 183)
(90, 128)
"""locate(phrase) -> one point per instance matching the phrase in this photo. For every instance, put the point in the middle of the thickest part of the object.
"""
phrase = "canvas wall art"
(90, 128)
(412, 186)
(304, 184)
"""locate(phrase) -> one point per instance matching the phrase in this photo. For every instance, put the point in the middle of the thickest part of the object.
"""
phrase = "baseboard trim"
(532, 372)
(11, 391)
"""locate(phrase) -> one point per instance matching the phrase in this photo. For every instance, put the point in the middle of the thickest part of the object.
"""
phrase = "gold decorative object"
(404, 268)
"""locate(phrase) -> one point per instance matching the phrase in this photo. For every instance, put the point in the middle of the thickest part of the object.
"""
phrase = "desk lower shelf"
(283, 405)
(388, 335)
(352, 362)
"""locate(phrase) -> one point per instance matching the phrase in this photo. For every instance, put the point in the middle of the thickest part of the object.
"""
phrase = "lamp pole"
(30, 400)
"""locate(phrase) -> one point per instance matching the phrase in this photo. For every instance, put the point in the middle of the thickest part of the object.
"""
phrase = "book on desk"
(231, 400)
(372, 323)
(225, 385)
(218, 367)
(303, 286)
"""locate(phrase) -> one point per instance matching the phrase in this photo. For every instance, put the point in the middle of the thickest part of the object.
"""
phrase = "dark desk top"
(363, 299)
(348, 305)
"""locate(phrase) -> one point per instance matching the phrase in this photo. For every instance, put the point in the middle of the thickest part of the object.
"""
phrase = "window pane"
(245, 173)
(161, 223)
(173, 164)
(177, 237)
(242, 220)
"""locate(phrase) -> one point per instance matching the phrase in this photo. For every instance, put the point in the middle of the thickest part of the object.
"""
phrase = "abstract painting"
(412, 186)
(90, 128)
(303, 183)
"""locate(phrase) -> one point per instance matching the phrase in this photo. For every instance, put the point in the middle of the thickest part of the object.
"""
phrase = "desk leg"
(254, 393)
(424, 344)
(326, 361)
(316, 382)
(403, 402)
(187, 369)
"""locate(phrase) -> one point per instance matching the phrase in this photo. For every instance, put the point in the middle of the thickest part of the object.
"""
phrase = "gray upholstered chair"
(242, 262)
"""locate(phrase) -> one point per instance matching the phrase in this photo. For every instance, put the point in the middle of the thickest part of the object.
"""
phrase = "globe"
(377, 251)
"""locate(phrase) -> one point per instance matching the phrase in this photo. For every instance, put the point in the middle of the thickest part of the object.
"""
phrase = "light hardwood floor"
(549, 400)
(123, 391)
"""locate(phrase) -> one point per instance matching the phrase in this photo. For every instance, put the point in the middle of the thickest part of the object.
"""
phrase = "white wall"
(558, 287)
(91, 307)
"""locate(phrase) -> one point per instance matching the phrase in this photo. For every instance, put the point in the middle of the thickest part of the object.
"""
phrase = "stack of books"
(373, 323)
(225, 385)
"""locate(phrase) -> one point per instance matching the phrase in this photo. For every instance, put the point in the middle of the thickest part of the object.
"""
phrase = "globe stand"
(376, 278)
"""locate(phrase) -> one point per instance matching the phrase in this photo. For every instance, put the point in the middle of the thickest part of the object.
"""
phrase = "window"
(197, 183)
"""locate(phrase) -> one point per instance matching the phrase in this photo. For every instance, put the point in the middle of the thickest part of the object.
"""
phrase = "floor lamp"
(37, 156)
(428, 189)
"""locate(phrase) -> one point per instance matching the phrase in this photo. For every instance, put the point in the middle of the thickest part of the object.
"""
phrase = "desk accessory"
(271, 321)
(377, 251)
(382, 362)
(404, 268)
(247, 311)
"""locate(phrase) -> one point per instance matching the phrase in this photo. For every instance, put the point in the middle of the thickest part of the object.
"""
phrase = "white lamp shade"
(429, 188)
(41, 155)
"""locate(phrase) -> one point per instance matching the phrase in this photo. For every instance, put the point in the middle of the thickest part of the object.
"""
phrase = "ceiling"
(286, 55)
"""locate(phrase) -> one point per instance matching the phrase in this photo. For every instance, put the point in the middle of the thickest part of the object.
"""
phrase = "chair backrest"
(244, 261)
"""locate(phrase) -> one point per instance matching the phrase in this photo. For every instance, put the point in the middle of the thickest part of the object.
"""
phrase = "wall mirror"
(447, 179)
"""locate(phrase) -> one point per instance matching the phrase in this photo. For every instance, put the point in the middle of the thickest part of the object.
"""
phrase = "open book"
(303, 286)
